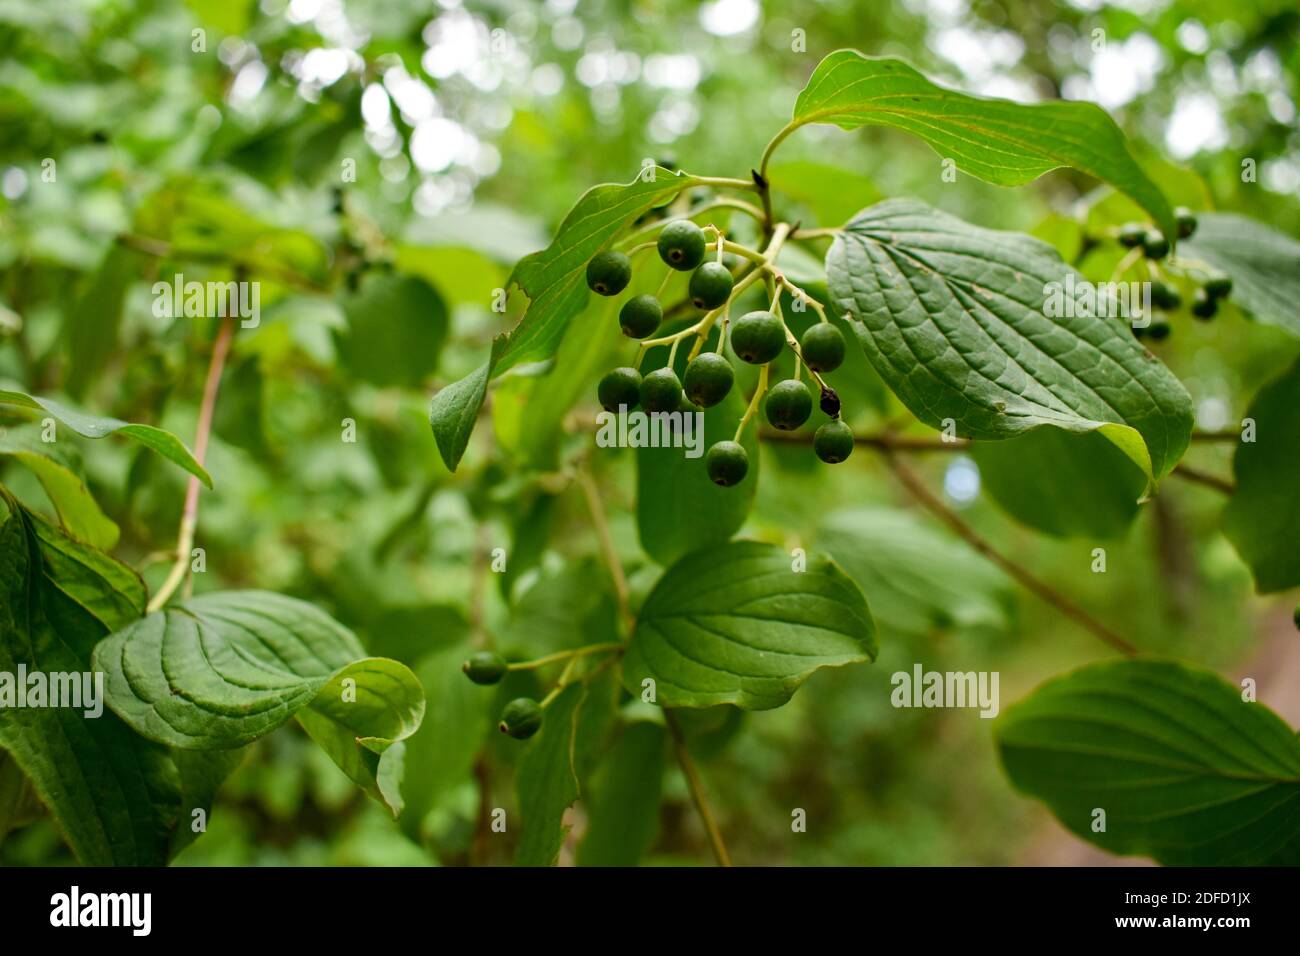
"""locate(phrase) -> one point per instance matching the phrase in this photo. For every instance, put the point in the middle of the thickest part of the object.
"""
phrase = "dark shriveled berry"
(620, 386)
(757, 337)
(788, 404)
(661, 391)
(708, 379)
(822, 346)
(640, 316)
(830, 402)
(710, 285)
(727, 463)
(521, 718)
(833, 442)
(609, 272)
(681, 245)
(485, 667)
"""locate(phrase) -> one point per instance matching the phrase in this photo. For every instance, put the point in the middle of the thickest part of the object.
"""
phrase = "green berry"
(1131, 234)
(727, 462)
(822, 346)
(661, 391)
(788, 404)
(640, 316)
(1154, 245)
(485, 667)
(1165, 296)
(833, 442)
(609, 272)
(681, 245)
(708, 379)
(710, 285)
(1159, 330)
(620, 386)
(1186, 221)
(1204, 305)
(521, 718)
(757, 337)
(1218, 285)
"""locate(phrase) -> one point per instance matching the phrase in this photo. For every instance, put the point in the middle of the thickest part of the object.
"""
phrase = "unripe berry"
(1159, 330)
(620, 386)
(1154, 245)
(1131, 235)
(521, 718)
(681, 245)
(822, 347)
(727, 463)
(1165, 296)
(640, 316)
(833, 442)
(485, 667)
(1186, 220)
(757, 337)
(788, 404)
(1218, 285)
(709, 377)
(710, 285)
(609, 272)
(661, 391)
(1204, 305)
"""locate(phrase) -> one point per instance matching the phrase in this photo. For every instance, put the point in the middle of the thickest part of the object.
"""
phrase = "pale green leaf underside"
(735, 624)
(952, 317)
(1185, 770)
(999, 141)
(91, 426)
(1264, 265)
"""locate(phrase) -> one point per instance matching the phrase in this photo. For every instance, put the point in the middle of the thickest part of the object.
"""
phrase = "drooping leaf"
(454, 410)
(738, 624)
(954, 318)
(77, 509)
(228, 667)
(996, 140)
(1062, 483)
(90, 426)
(920, 579)
(1263, 518)
(1183, 768)
(547, 780)
(623, 813)
(1264, 265)
(396, 327)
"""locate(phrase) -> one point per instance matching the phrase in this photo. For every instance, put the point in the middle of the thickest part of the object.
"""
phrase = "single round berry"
(661, 391)
(620, 386)
(521, 718)
(1154, 245)
(1218, 285)
(681, 245)
(708, 379)
(833, 442)
(788, 404)
(1165, 296)
(822, 346)
(710, 285)
(1131, 234)
(727, 463)
(609, 272)
(1204, 305)
(640, 316)
(1186, 220)
(485, 667)
(1159, 330)
(757, 337)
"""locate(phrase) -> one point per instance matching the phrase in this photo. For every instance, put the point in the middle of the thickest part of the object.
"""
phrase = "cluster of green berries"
(1165, 296)
(522, 717)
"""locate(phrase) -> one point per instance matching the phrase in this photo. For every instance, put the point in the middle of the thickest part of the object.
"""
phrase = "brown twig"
(1196, 476)
(697, 790)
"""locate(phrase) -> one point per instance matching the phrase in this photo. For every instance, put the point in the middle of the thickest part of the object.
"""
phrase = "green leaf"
(678, 509)
(1263, 518)
(547, 780)
(1186, 771)
(920, 579)
(95, 317)
(19, 804)
(1264, 265)
(90, 426)
(1062, 483)
(554, 280)
(229, 667)
(623, 811)
(953, 317)
(832, 193)
(77, 509)
(736, 624)
(396, 327)
(998, 141)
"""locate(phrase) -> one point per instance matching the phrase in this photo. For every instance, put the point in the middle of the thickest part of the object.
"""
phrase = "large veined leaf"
(547, 780)
(1264, 265)
(1184, 769)
(999, 141)
(91, 426)
(741, 624)
(954, 318)
(1263, 518)
(623, 810)
(114, 796)
(77, 509)
(554, 280)
(920, 579)
(226, 668)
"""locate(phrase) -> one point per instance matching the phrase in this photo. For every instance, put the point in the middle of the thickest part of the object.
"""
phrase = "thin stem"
(190, 513)
(927, 499)
(724, 182)
(696, 785)
(659, 293)
(563, 656)
(592, 495)
(775, 141)
(560, 684)
(759, 392)
(1196, 476)
(745, 251)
